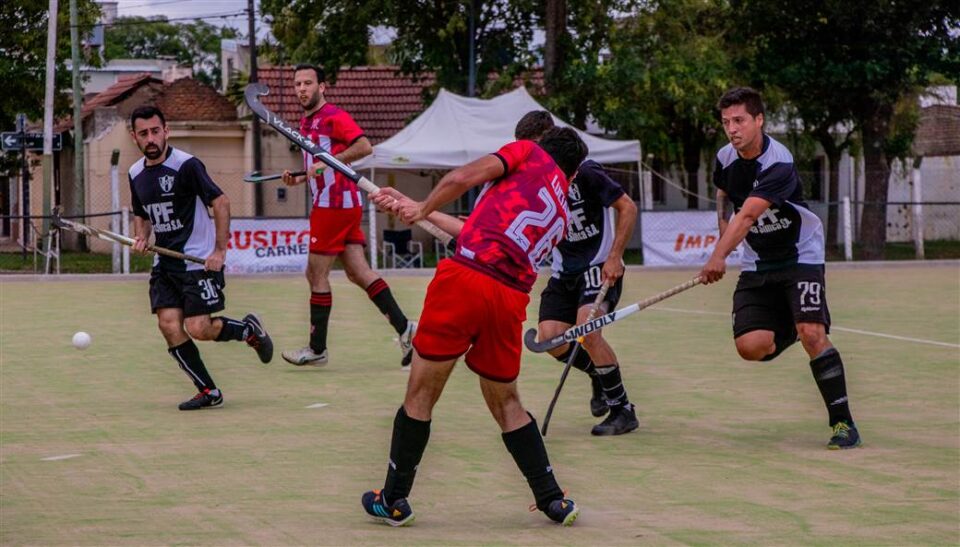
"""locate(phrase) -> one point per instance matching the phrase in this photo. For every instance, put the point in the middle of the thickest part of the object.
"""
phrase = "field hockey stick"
(252, 94)
(573, 333)
(107, 235)
(573, 355)
(255, 176)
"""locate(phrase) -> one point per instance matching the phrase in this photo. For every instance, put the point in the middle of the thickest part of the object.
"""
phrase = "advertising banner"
(673, 238)
(268, 245)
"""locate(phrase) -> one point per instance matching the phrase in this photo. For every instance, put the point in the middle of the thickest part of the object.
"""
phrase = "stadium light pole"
(48, 115)
(255, 127)
(79, 190)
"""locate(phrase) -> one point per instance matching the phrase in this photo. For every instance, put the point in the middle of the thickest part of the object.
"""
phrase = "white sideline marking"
(317, 405)
(58, 458)
(844, 329)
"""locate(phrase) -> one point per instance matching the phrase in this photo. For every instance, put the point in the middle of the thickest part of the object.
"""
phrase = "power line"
(151, 4)
(195, 18)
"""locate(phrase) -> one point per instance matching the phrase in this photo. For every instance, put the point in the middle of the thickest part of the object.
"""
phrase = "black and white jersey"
(788, 232)
(174, 197)
(590, 231)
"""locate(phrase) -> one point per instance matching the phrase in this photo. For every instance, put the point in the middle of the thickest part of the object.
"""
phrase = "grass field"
(728, 452)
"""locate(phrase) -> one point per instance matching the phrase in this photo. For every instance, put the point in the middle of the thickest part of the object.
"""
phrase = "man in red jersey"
(476, 305)
(335, 220)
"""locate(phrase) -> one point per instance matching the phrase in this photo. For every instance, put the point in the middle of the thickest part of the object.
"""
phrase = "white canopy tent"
(456, 130)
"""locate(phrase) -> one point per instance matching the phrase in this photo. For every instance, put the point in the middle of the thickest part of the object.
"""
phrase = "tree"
(23, 49)
(430, 36)
(669, 65)
(853, 61)
(196, 44)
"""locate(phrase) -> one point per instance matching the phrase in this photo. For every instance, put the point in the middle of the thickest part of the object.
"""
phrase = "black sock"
(379, 293)
(827, 370)
(188, 357)
(526, 447)
(320, 305)
(410, 438)
(613, 391)
(580, 362)
(231, 330)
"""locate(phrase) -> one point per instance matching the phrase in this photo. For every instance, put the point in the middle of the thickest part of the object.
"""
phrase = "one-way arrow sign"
(13, 141)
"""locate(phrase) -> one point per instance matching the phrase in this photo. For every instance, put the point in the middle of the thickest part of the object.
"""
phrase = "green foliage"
(196, 44)
(669, 65)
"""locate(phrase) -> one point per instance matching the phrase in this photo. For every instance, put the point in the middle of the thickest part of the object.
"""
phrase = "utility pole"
(472, 64)
(79, 188)
(257, 158)
(48, 115)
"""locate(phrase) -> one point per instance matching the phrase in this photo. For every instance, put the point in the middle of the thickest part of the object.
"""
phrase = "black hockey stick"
(107, 235)
(257, 177)
(252, 94)
(573, 355)
(574, 333)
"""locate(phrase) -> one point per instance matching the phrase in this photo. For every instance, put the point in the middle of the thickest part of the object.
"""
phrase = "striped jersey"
(174, 196)
(787, 232)
(335, 131)
(518, 219)
(591, 229)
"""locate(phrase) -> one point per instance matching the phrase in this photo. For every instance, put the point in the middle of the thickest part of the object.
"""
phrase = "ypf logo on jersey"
(166, 183)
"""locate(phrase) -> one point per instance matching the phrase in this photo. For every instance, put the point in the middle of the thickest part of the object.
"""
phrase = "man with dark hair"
(781, 293)
(335, 220)
(533, 125)
(518, 219)
(170, 192)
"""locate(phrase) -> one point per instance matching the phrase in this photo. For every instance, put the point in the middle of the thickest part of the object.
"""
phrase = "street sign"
(13, 141)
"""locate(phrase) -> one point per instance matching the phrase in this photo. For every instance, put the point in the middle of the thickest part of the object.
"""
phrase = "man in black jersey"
(781, 293)
(170, 192)
(602, 218)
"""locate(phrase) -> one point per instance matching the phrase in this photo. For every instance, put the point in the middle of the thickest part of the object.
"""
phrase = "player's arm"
(141, 233)
(390, 200)
(221, 220)
(453, 185)
(626, 219)
(360, 149)
(734, 233)
(724, 209)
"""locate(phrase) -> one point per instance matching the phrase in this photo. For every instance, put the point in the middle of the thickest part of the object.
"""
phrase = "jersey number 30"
(544, 240)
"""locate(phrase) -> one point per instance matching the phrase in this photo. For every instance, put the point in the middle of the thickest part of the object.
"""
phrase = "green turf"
(728, 452)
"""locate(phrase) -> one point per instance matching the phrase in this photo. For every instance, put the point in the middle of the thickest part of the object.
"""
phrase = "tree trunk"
(691, 164)
(873, 224)
(833, 196)
(554, 47)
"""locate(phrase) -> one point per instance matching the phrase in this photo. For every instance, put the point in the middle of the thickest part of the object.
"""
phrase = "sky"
(174, 9)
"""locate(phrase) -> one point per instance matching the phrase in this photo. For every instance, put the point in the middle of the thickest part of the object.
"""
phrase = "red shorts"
(331, 230)
(466, 311)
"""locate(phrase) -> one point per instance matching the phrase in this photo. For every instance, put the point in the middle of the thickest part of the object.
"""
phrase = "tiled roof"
(939, 131)
(116, 93)
(187, 99)
(381, 100)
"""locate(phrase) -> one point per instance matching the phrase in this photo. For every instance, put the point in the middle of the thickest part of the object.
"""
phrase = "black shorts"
(778, 299)
(564, 295)
(196, 292)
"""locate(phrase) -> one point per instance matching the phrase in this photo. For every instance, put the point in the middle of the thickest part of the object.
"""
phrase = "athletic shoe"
(202, 400)
(406, 344)
(563, 512)
(598, 405)
(845, 435)
(621, 420)
(258, 339)
(305, 356)
(398, 513)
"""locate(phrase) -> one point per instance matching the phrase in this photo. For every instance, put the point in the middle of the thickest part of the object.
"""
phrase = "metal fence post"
(125, 222)
(918, 228)
(373, 224)
(115, 206)
(847, 230)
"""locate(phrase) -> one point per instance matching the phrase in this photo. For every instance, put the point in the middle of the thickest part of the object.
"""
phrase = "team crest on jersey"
(574, 192)
(166, 183)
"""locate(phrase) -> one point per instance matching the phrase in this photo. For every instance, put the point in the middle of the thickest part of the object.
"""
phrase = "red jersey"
(518, 219)
(334, 130)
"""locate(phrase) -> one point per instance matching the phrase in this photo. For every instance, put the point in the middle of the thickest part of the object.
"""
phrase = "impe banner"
(680, 238)
(265, 245)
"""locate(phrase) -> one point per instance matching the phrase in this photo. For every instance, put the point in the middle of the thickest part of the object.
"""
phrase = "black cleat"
(598, 406)
(563, 512)
(620, 421)
(258, 339)
(398, 513)
(845, 435)
(202, 400)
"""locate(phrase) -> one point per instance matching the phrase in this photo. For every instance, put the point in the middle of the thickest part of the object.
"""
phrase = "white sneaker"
(406, 344)
(305, 357)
